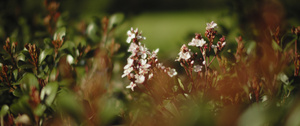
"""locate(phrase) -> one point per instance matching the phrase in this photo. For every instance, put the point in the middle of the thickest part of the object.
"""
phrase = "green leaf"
(18, 92)
(115, 20)
(61, 32)
(251, 47)
(69, 45)
(26, 66)
(26, 53)
(39, 110)
(30, 80)
(53, 73)
(66, 101)
(180, 84)
(4, 110)
(21, 57)
(15, 72)
(21, 106)
(44, 54)
(92, 31)
(48, 93)
(47, 41)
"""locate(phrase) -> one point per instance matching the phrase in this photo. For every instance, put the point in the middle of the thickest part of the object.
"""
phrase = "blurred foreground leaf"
(48, 93)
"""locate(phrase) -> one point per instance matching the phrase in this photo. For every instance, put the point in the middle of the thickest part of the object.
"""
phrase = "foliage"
(59, 71)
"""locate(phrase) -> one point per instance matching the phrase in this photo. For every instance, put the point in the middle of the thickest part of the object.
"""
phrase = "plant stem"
(212, 60)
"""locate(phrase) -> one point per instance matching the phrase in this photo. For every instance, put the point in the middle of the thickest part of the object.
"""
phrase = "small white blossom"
(197, 42)
(131, 86)
(139, 79)
(144, 69)
(144, 64)
(127, 71)
(129, 63)
(135, 31)
(184, 56)
(160, 66)
(154, 53)
(131, 35)
(211, 25)
(202, 42)
(172, 72)
(143, 52)
(203, 62)
(197, 68)
(185, 53)
(133, 48)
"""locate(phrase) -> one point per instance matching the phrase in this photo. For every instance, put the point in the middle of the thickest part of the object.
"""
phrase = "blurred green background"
(167, 24)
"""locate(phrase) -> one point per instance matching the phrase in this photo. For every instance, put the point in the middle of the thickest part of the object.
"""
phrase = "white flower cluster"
(197, 42)
(185, 56)
(140, 63)
(134, 35)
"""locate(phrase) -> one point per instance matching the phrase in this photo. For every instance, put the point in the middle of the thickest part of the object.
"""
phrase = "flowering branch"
(141, 63)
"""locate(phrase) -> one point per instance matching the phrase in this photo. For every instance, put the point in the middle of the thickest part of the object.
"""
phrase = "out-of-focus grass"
(169, 30)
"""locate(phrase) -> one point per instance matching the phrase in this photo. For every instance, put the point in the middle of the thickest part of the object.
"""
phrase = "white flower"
(129, 63)
(139, 79)
(201, 43)
(144, 64)
(211, 25)
(197, 68)
(203, 62)
(172, 72)
(154, 53)
(144, 67)
(135, 31)
(133, 48)
(139, 37)
(131, 86)
(131, 35)
(197, 42)
(127, 71)
(185, 53)
(184, 56)
(143, 52)
(160, 66)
